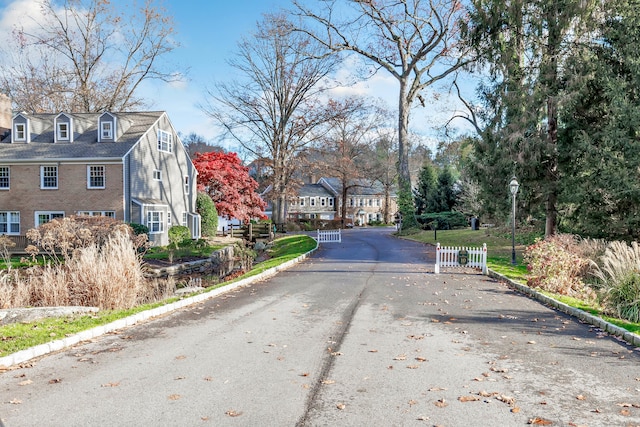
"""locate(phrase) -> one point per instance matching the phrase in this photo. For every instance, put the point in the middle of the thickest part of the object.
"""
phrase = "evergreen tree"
(424, 193)
(446, 194)
(208, 214)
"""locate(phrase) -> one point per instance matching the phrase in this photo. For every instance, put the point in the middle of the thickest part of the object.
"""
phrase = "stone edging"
(610, 328)
(50, 347)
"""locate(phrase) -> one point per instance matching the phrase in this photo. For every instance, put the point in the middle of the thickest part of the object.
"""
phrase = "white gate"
(461, 257)
(331, 236)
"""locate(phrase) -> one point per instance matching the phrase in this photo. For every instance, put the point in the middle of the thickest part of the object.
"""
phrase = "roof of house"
(314, 190)
(361, 187)
(85, 143)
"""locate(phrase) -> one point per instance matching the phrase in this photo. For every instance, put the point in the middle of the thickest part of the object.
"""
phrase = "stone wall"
(220, 263)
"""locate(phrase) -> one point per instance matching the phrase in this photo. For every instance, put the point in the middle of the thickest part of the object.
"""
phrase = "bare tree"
(86, 56)
(385, 167)
(346, 149)
(416, 41)
(273, 108)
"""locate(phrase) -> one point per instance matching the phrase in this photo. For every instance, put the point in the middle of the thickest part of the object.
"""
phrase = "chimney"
(5, 113)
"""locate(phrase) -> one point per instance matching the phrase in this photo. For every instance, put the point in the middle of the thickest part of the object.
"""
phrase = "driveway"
(362, 333)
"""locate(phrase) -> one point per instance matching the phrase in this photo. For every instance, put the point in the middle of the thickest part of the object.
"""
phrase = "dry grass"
(106, 274)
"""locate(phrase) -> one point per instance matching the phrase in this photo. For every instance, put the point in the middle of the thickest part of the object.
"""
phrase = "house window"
(331, 201)
(301, 201)
(108, 214)
(106, 130)
(168, 220)
(312, 201)
(95, 176)
(157, 175)
(377, 202)
(155, 222)
(165, 142)
(351, 203)
(186, 184)
(44, 217)
(20, 132)
(4, 178)
(184, 219)
(361, 202)
(9, 222)
(370, 202)
(323, 201)
(49, 177)
(63, 131)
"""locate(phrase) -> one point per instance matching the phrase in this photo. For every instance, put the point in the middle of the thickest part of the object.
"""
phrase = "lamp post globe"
(513, 188)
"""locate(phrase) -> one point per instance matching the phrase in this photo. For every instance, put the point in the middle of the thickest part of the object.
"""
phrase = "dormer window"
(20, 132)
(63, 125)
(107, 127)
(106, 130)
(63, 131)
(165, 141)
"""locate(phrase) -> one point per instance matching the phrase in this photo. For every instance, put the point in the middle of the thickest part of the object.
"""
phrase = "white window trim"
(8, 187)
(42, 187)
(59, 131)
(157, 175)
(104, 177)
(331, 202)
(50, 213)
(186, 184)
(165, 146)
(323, 201)
(185, 219)
(104, 132)
(312, 201)
(10, 215)
(17, 132)
(301, 201)
(159, 221)
(108, 214)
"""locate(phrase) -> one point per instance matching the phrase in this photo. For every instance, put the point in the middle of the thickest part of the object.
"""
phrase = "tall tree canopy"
(223, 177)
(86, 56)
(415, 41)
(273, 108)
(525, 46)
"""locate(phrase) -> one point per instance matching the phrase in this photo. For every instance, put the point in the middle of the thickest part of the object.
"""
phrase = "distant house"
(128, 166)
(366, 202)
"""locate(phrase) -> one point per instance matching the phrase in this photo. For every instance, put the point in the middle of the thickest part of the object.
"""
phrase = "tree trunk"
(403, 137)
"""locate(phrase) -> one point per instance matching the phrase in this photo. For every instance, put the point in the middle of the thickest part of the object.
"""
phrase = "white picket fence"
(329, 236)
(449, 257)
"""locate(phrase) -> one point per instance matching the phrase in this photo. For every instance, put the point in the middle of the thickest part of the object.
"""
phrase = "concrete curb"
(50, 347)
(610, 328)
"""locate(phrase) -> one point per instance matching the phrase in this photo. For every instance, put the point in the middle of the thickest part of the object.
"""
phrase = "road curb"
(23, 356)
(610, 328)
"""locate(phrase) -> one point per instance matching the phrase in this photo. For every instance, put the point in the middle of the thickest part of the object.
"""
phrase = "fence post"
(484, 258)
(437, 268)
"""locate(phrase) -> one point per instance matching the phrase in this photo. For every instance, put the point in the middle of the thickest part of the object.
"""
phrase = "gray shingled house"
(129, 166)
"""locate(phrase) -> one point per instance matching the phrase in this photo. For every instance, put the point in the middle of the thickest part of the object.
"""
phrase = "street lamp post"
(513, 188)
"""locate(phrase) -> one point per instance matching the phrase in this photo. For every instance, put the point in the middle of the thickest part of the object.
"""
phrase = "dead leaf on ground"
(181, 357)
(373, 351)
(581, 397)
(55, 381)
(233, 413)
(400, 357)
(412, 366)
(25, 382)
(341, 406)
(174, 397)
(515, 410)
(625, 412)
(437, 389)
(440, 403)
(15, 401)
(506, 399)
(113, 384)
(539, 422)
(421, 359)
(468, 398)
(413, 402)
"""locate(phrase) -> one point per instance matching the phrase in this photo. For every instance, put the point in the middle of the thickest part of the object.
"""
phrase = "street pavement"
(362, 333)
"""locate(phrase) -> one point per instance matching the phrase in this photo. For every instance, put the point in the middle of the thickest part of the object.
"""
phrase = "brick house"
(128, 166)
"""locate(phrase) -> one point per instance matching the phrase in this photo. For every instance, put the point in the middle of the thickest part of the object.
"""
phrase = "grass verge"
(20, 336)
(499, 248)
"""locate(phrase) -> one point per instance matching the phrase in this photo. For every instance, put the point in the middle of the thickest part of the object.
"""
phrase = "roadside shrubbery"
(608, 273)
(90, 262)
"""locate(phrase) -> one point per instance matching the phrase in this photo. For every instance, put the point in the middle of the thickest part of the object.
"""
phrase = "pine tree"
(424, 193)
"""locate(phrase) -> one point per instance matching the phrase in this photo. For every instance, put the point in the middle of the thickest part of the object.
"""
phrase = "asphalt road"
(360, 334)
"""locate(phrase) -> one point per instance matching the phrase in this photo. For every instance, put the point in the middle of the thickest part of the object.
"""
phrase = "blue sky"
(208, 32)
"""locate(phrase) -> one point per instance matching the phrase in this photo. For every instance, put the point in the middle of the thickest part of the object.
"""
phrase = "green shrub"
(555, 267)
(444, 220)
(179, 234)
(139, 229)
(208, 214)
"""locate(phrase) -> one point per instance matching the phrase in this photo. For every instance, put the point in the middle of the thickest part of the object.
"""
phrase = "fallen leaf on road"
(581, 397)
(413, 402)
(116, 384)
(422, 418)
(174, 397)
(341, 406)
(400, 357)
(373, 351)
(625, 412)
(506, 399)
(15, 401)
(55, 381)
(25, 382)
(328, 382)
(531, 342)
(421, 359)
(181, 357)
(515, 410)
(179, 378)
(412, 366)
(233, 413)
(469, 398)
(539, 422)
(437, 389)
(440, 403)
